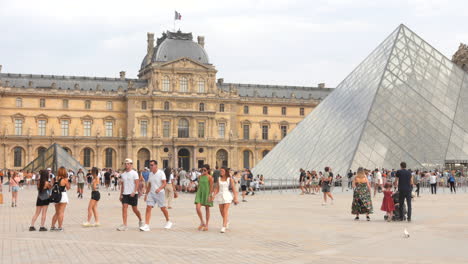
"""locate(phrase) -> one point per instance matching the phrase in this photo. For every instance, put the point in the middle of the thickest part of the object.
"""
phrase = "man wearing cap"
(129, 194)
(145, 174)
(51, 175)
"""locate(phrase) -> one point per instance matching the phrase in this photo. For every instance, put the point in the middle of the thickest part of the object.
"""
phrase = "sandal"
(205, 228)
(201, 227)
(356, 218)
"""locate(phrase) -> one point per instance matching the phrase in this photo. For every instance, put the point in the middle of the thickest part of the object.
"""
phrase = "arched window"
(221, 107)
(18, 157)
(183, 85)
(201, 107)
(183, 129)
(109, 157)
(166, 105)
(87, 157)
(201, 86)
(166, 84)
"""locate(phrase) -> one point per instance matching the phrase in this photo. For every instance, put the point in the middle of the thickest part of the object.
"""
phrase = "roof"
(69, 82)
(276, 91)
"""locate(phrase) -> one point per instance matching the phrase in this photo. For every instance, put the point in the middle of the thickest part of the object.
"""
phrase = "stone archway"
(143, 160)
(184, 159)
(222, 158)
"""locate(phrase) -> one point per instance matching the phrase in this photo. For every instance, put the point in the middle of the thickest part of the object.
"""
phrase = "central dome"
(174, 45)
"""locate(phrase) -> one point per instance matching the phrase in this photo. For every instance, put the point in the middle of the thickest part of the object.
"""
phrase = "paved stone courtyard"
(269, 228)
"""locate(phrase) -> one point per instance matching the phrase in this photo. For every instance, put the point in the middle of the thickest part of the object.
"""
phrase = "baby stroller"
(396, 213)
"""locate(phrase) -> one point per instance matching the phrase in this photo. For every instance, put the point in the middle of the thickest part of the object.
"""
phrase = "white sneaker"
(122, 228)
(168, 225)
(223, 230)
(96, 224)
(87, 224)
(141, 223)
(145, 228)
(324, 204)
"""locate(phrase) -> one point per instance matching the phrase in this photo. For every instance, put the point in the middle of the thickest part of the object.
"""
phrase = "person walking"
(451, 181)
(155, 195)
(169, 191)
(378, 181)
(14, 184)
(243, 183)
(433, 182)
(63, 186)
(350, 179)
(42, 202)
(404, 181)
(417, 181)
(224, 197)
(302, 181)
(80, 181)
(326, 185)
(388, 205)
(129, 194)
(93, 202)
(204, 196)
(362, 202)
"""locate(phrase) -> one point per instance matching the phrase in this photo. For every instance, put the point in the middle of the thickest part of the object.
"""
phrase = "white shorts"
(155, 198)
(64, 198)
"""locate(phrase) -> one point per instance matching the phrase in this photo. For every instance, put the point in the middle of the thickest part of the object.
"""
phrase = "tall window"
(301, 111)
(221, 107)
(109, 128)
(201, 86)
(222, 130)
(246, 131)
(65, 103)
(87, 129)
(201, 107)
(201, 129)
(87, 157)
(143, 105)
(246, 109)
(183, 85)
(41, 127)
(284, 131)
(166, 105)
(18, 127)
(144, 128)
(109, 105)
(19, 102)
(166, 84)
(283, 110)
(42, 103)
(166, 128)
(183, 129)
(265, 132)
(246, 154)
(87, 104)
(64, 124)
(109, 157)
(18, 157)
(265, 110)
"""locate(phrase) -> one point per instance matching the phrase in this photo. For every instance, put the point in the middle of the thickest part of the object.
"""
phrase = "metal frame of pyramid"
(54, 157)
(402, 103)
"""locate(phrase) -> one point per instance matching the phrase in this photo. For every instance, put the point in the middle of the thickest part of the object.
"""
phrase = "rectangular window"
(201, 86)
(87, 104)
(19, 102)
(265, 132)
(109, 128)
(18, 127)
(283, 110)
(221, 130)
(166, 129)
(65, 103)
(301, 111)
(42, 103)
(246, 131)
(246, 109)
(143, 105)
(166, 83)
(65, 127)
(201, 129)
(144, 128)
(87, 128)
(284, 131)
(109, 105)
(221, 107)
(265, 110)
(41, 127)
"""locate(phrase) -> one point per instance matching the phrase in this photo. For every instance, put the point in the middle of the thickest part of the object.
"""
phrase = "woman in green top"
(204, 196)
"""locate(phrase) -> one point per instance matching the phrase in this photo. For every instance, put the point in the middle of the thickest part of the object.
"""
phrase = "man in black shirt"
(404, 181)
(302, 179)
(350, 179)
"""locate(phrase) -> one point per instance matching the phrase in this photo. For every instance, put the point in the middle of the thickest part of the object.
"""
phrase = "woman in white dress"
(224, 197)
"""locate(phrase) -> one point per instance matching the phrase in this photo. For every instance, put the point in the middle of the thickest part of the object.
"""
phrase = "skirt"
(223, 198)
(40, 202)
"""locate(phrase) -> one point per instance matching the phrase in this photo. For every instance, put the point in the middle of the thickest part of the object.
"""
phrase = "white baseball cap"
(49, 169)
(128, 161)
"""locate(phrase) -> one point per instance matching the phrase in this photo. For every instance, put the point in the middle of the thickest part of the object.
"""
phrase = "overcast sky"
(266, 42)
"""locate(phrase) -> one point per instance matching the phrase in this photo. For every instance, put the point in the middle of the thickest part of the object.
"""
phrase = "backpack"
(56, 194)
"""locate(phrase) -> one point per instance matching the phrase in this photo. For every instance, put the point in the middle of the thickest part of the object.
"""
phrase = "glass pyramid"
(54, 157)
(402, 103)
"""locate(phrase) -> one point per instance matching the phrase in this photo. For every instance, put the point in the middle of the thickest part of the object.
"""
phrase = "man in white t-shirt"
(155, 195)
(378, 181)
(129, 194)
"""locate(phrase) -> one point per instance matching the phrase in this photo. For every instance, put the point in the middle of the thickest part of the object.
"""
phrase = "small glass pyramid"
(54, 157)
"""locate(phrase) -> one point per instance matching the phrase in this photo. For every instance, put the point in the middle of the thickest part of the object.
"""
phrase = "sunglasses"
(204, 170)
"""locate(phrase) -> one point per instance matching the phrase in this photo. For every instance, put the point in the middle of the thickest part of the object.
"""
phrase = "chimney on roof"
(201, 41)
(150, 48)
(220, 80)
(321, 85)
(122, 75)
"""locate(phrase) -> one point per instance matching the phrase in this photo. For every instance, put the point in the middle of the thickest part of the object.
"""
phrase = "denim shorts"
(15, 188)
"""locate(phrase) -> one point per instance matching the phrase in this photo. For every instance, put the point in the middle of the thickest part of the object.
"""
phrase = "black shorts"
(127, 199)
(107, 182)
(244, 188)
(95, 195)
(40, 202)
